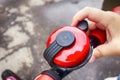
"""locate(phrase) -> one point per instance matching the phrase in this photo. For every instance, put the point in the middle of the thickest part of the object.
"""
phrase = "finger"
(93, 14)
(90, 13)
(100, 26)
(91, 25)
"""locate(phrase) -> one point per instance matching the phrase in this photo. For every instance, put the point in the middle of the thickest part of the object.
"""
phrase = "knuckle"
(112, 16)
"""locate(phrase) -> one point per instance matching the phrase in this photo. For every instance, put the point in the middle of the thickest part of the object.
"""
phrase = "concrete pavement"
(24, 28)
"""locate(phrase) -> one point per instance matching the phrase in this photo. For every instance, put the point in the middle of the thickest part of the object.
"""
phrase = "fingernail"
(92, 59)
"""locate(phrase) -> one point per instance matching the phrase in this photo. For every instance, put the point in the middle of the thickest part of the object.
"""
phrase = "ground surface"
(24, 28)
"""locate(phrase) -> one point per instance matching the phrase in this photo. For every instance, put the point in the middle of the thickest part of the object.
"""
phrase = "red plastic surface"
(44, 77)
(11, 78)
(99, 34)
(74, 54)
(116, 10)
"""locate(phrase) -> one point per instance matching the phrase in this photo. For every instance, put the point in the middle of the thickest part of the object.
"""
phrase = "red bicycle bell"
(67, 47)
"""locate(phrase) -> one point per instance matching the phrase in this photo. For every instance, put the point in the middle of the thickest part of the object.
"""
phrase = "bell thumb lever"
(83, 25)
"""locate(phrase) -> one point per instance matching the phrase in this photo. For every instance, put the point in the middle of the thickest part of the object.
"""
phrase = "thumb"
(102, 51)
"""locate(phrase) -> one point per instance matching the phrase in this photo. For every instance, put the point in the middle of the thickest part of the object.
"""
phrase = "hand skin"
(105, 20)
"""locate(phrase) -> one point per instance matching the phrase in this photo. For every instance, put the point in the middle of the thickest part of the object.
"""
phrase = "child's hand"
(105, 20)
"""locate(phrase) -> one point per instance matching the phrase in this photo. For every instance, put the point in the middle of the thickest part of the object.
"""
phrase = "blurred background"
(25, 26)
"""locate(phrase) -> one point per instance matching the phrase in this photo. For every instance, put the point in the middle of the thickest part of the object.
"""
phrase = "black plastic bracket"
(8, 73)
(62, 72)
(63, 39)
